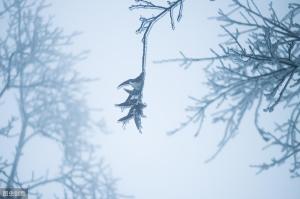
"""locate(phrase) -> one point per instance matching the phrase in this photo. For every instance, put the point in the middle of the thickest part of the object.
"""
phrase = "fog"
(154, 164)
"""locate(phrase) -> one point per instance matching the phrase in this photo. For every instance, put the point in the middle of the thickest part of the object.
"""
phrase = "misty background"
(153, 164)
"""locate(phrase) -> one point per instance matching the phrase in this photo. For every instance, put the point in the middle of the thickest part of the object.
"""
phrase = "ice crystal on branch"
(258, 66)
(134, 101)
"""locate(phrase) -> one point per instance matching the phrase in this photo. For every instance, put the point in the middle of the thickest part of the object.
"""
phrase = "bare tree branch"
(257, 64)
(134, 102)
(38, 70)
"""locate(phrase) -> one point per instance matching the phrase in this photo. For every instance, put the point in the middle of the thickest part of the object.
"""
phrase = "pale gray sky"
(154, 165)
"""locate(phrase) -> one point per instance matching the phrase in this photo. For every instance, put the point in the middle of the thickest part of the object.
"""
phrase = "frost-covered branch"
(37, 71)
(134, 101)
(258, 66)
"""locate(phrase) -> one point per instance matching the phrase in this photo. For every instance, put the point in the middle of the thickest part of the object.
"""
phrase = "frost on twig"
(257, 66)
(38, 78)
(134, 101)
